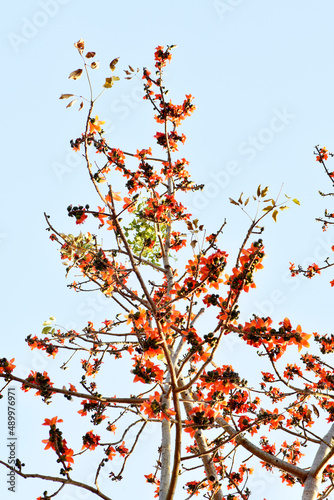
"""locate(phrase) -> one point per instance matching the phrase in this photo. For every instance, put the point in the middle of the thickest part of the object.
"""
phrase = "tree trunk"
(314, 477)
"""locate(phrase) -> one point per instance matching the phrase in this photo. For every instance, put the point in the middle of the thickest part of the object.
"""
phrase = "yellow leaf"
(264, 192)
(296, 201)
(76, 74)
(274, 214)
(108, 83)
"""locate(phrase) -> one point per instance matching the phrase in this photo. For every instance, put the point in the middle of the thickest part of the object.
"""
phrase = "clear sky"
(261, 73)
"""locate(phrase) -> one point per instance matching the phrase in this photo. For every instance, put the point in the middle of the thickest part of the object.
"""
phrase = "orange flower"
(95, 125)
(116, 196)
(52, 421)
(111, 225)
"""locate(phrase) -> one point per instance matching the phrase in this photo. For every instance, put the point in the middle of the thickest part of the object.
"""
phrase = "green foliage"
(143, 235)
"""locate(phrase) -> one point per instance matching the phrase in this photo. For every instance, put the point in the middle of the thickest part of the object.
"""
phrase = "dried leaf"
(264, 192)
(113, 63)
(66, 96)
(258, 192)
(108, 83)
(131, 69)
(81, 106)
(95, 64)
(71, 103)
(89, 55)
(234, 202)
(76, 74)
(80, 45)
(246, 202)
(193, 243)
(240, 198)
(316, 411)
(274, 214)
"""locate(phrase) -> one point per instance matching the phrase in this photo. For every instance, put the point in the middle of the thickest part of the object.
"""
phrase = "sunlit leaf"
(46, 330)
(296, 201)
(94, 64)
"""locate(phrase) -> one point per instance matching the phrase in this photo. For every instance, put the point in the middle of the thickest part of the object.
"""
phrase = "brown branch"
(67, 481)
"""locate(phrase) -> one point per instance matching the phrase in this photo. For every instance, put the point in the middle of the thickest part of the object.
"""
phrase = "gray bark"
(314, 477)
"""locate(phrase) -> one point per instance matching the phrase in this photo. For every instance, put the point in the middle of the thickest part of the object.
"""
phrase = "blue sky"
(261, 76)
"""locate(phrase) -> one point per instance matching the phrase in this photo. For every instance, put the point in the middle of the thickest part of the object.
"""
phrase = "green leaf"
(46, 330)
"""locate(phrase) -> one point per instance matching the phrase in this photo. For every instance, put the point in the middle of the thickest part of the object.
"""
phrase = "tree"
(209, 415)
